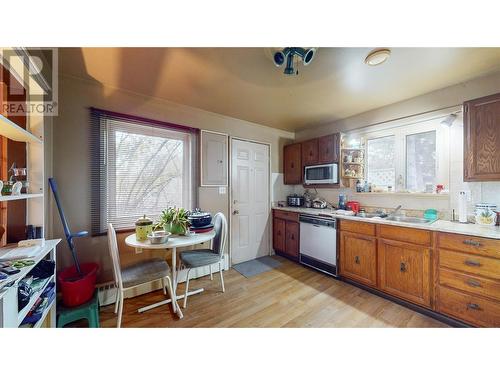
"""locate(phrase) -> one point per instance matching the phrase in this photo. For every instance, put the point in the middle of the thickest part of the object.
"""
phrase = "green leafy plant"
(174, 220)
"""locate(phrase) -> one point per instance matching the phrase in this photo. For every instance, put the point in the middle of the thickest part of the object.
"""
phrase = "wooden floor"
(289, 296)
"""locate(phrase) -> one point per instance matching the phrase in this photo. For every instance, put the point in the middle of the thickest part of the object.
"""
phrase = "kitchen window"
(408, 158)
(140, 167)
(381, 163)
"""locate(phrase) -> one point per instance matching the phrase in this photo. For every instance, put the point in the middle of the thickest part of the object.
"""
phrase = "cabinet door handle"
(293, 237)
(473, 243)
(402, 267)
(472, 263)
(473, 306)
(473, 283)
(292, 165)
(356, 259)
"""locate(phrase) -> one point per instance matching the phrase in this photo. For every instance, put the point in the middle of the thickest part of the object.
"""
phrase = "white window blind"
(143, 170)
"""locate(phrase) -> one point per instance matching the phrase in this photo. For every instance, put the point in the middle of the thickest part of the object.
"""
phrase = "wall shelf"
(33, 299)
(12, 131)
(40, 321)
(4, 198)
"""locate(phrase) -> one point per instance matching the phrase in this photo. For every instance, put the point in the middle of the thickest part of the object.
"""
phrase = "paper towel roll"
(462, 207)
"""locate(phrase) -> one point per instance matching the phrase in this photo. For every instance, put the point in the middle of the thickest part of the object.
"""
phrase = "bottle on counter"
(342, 202)
(366, 187)
(359, 187)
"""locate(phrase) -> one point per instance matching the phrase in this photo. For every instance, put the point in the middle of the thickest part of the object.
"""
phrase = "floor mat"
(257, 266)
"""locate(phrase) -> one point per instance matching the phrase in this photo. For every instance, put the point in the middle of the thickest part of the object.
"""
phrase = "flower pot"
(174, 228)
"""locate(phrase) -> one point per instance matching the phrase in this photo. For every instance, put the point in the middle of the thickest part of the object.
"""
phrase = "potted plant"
(174, 220)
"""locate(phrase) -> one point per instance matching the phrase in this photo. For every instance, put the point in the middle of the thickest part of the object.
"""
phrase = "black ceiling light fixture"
(288, 55)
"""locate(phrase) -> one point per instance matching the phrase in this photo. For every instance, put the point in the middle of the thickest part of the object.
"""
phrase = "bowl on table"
(158, 237)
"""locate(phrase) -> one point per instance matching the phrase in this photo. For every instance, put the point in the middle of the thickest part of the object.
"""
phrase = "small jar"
(143, 227)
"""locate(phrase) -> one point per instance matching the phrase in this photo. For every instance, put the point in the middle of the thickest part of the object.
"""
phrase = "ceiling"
(244, 83)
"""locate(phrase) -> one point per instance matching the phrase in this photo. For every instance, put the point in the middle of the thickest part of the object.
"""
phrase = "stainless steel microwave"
(321, 174)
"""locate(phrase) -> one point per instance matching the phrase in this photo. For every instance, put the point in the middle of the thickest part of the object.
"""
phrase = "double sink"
(401, 219)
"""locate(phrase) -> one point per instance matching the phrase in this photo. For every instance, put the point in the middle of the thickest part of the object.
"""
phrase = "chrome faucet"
(396, 210)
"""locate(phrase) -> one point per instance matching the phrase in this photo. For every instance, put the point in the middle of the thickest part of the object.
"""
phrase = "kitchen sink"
(372, 215)
(406, 219)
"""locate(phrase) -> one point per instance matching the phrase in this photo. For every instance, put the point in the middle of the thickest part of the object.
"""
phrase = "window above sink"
(409, 158)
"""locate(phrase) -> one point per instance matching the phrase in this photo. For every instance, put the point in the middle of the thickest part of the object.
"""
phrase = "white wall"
(71, 155)
(444, 98)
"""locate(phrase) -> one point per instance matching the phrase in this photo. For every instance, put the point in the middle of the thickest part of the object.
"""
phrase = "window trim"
(400, 133)
(99, 164)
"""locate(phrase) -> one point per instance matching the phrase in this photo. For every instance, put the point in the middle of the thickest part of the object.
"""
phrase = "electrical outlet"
(222, 190)
(138, 250)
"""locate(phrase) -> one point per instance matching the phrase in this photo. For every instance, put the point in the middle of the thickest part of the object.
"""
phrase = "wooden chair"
(138, 274)
(191, 259)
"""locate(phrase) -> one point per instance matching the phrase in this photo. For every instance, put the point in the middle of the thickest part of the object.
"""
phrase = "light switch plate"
(222, 190)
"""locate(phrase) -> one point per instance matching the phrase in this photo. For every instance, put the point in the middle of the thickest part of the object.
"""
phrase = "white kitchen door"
(250, 201)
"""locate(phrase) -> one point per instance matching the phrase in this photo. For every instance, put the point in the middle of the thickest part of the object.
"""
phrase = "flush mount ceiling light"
(288, 54)
(377, 56)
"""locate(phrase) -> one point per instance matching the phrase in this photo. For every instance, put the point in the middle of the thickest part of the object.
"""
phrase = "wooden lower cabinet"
(358, 257)
(469, 279)
(292, 239)
(279, 235)
(405, 271)
(475, 310)
(286, 232)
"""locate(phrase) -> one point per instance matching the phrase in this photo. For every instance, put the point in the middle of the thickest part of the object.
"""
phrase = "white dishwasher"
(318, 243)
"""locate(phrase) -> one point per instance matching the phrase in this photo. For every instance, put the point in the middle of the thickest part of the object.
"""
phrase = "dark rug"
(257, 266)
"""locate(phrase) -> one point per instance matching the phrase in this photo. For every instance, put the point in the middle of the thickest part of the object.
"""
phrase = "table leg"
(175, 305)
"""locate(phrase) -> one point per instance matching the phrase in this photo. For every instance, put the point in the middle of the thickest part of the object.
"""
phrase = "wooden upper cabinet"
(328, 149)
(405, 271)
(482, 139)
(292, 164)
(310, 152)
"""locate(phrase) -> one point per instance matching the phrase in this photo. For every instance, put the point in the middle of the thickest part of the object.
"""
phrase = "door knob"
(236, 212)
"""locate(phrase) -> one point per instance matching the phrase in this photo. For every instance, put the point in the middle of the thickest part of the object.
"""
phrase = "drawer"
(416, 236)
(475, 310)
(470, 244)
(286, 215)
(473, 264)
(470, 284)
(357, 227)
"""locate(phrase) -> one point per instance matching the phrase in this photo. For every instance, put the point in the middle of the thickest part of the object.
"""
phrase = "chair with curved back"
(191, 259)
(137, 274)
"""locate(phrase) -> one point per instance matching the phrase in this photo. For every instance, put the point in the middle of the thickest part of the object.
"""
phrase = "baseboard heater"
(319, 265)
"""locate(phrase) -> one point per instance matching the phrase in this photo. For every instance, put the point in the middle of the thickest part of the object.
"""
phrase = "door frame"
(230, 177)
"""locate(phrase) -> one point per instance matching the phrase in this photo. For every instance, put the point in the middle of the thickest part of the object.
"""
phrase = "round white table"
(173, 243)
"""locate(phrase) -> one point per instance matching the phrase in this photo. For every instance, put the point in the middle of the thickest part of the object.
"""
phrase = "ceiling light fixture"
(288, 54)
(377, 56)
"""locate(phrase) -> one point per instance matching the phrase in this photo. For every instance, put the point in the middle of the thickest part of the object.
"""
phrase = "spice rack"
(352, 163)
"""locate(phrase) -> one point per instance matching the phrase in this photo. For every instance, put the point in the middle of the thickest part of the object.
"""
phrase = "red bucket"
(77, 290)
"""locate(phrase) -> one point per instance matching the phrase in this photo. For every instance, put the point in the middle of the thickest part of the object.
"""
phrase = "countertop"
(438, 225)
